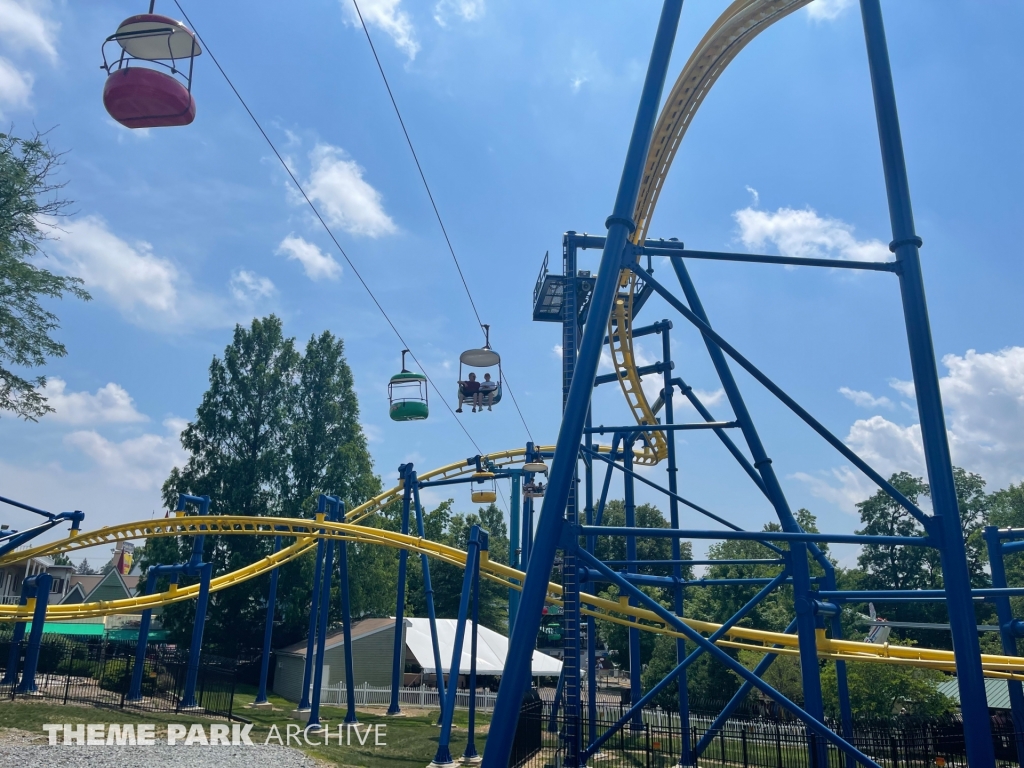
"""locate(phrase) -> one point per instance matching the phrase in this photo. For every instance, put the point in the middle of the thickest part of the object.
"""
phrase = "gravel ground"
(25, 749)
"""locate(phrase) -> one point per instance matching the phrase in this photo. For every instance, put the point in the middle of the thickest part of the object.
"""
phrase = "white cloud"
(110, 404)
(467, 10)
(983, 396)
(23, 27)
(864, 399)
(805, 234)
(141, 463)
(373, 433)
(576, 82)
(315, 263)
(388, 16)
(754, 194)
(827, 10)
(905, 388)
(15, 86)
(346, 199)
(247, 286)
(148, 289)
(557, 351)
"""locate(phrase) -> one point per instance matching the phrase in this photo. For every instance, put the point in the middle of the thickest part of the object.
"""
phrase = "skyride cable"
(320, 218)
(437, 213)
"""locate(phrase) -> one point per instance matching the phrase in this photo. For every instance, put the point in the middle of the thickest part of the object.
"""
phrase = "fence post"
(721, 744)
(743, 740)
(647, 739)
(778, 743)
(67, 677)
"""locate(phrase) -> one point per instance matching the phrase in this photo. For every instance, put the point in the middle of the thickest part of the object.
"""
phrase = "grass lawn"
(411, 741)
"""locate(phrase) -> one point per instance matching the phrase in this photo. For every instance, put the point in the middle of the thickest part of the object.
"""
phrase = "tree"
(883, 690)
(900, 567)
(1006, 510)
(453, 530)
(29, 203)
(274, 430)
(61, 558)
(84, 568)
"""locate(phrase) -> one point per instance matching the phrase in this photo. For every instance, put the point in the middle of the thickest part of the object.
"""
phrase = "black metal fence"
(764, 742)
(99, 672)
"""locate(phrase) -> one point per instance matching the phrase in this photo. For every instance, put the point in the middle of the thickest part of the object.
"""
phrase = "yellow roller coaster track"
(738, 25)
(306, 532)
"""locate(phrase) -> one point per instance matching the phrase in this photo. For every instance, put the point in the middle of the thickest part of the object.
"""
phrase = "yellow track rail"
(738, 25)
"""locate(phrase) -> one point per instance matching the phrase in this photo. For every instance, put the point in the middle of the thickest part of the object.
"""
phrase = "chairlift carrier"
(139, 96)
(407, 395)
(481, 358)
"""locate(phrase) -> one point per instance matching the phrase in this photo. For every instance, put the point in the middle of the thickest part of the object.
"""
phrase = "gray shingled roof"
(996, 691)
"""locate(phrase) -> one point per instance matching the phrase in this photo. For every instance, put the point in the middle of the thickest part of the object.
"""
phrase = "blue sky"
(520, 113)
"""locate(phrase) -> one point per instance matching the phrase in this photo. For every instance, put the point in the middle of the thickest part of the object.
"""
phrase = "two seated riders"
(479, 391)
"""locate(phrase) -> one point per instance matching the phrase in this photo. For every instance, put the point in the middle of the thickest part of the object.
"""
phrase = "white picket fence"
(369, 696)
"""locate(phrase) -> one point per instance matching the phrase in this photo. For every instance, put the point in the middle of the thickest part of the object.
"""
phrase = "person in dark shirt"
(470, 389)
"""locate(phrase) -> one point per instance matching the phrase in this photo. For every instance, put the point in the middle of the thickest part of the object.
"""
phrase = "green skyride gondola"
(407, 395)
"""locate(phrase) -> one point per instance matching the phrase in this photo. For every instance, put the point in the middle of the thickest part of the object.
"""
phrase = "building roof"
(996, 691)
(492, 648)
(360, 629)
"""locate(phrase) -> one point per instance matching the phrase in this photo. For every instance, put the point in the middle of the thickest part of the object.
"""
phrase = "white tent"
(491, 649)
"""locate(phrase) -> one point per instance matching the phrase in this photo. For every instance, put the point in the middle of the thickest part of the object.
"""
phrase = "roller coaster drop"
(593, 313)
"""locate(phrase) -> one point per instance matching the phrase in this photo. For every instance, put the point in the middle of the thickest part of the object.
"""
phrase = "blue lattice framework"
(816, 601)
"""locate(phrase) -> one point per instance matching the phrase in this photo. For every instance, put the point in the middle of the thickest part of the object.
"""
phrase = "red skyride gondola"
(140, 96)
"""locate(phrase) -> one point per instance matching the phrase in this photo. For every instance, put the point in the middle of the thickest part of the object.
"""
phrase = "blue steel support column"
(268, 630)
(905, 245)
(14, 655)
(635, 686)
(346, 619)
(188, 698)
(469, 754)
(307, 669)
(428, 590)
(810, 673)
(321, 632)
(842, 683)
(42, 584)
(1006, 634)
(685, 757)
(135, 689)
(570, 677)
(397, 665)
(591, 621)
(563, 465)
(513, 543)
(443, 757)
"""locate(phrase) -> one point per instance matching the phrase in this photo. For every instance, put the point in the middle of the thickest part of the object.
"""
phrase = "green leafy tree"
(61, 558)
(84, 568)
(30, 202)
(441, 525)
(275, 429)
(884, 690)
(1006, 510)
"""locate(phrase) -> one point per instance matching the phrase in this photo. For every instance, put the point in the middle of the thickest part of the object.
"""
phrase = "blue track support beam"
(712, 337)
(635, 685)
(398, 657)
(905, 244)
(591, 544)
(268, 630)
(321, 632)
(1006, 633)
(346, 619)
(810, 673)
(556, 702)
(814, 724)
(40, 585)
(477, 542)
(469, 755)
(514, 520)
(428, 591)
(135, 689)
(17, 636)
(307, 668)
(802, 536)
(737, 699)
(577, 406)
(680, 669)
(188, 698)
